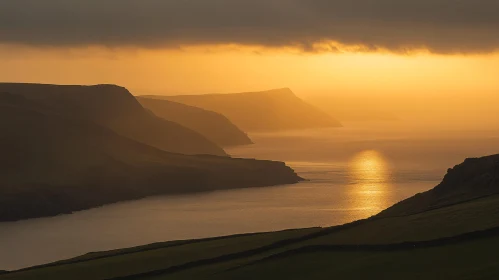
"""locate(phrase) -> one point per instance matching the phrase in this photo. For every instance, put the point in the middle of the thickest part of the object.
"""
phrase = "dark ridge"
(467, 237)
(279, 92)
(116, 108)
(54, 165)
(273, 110)
(214, 126)
(150, 247)
(472, 179)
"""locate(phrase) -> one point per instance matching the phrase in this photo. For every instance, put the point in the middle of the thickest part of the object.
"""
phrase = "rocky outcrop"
(472, 179)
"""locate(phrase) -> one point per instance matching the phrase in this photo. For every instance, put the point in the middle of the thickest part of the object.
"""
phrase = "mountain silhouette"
(115, 107)
(272, 110)
(214, 126)
(53, 164)
(472, 179)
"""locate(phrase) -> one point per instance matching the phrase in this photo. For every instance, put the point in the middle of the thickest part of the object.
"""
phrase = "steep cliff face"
(272, 110)
(214, 126)
(115, 107)
(474, 178)
(52, 164)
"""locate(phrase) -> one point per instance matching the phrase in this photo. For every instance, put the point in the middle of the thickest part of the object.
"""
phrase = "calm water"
(354, 172)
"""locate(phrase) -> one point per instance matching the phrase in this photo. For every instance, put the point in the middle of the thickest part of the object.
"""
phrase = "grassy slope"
(261, 111)
(319, 258)
(214, 126)
(474, 178)
(476, 215)
(253, 264)
(468, 260)
(152, 257)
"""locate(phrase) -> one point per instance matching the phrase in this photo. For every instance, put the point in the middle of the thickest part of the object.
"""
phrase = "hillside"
(214, 126)
(474, 178)
(116, 108)
(272, 110)
(52, 164)
(457, 241)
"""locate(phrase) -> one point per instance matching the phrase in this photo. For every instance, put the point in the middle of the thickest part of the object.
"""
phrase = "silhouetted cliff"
(474, 178)
(214, 126)
(272, 110)
(53, 164)
(115, 108)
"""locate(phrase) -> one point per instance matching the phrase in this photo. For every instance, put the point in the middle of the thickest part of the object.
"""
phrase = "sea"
(350, 173)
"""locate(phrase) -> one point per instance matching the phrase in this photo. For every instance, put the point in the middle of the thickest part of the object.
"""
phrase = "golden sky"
(340, 47)
(428, 57)
(219, 69)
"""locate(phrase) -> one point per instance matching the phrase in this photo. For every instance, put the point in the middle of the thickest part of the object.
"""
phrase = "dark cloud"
(442, 26)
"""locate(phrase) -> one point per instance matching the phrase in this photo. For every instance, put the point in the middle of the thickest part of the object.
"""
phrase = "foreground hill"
(474, 178)
(52, 164)
(114, 107)
(214, 126)
(458, 241)
(271, 110)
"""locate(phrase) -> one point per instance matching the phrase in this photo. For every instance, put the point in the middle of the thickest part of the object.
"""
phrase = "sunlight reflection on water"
(369, 175)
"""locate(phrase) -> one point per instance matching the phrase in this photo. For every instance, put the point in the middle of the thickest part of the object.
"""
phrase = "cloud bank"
(440, 26)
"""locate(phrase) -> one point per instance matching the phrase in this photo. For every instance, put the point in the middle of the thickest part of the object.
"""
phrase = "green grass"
(470, 260)
(449, 221)
(343, 252)
(148, 258)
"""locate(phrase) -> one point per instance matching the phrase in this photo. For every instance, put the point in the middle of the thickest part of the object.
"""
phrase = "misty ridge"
(69, 148)
(273, 110)
(214, 126)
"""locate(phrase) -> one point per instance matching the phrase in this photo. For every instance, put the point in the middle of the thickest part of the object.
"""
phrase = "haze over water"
(352, 173)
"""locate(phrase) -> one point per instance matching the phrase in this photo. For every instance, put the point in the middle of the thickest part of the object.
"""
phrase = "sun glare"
(369, 177)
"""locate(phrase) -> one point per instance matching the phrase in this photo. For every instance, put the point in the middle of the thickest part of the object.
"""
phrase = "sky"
(341, 49)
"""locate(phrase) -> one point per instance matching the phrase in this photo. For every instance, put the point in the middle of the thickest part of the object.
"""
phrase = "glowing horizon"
(235, 69)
